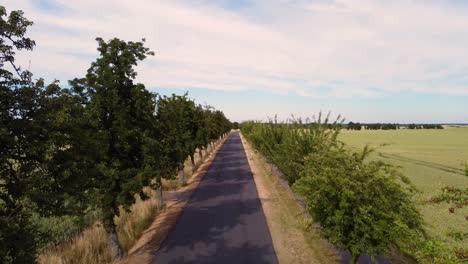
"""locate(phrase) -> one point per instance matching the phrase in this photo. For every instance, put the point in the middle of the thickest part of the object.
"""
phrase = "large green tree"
(21, 141)
(121, 114)
(175, 120)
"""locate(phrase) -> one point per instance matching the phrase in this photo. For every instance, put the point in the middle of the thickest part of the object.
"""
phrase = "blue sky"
(369, 60)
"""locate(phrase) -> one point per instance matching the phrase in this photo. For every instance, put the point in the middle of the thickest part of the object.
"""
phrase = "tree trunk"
(353, 259)
(116, 250)
(159, 197)
(200, 153)
(192, 158)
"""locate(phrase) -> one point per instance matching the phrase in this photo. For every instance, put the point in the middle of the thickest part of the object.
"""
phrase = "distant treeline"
(389, 126)
(354, 126)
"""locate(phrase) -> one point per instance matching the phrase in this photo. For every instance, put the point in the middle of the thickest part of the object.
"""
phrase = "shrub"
(361, 206)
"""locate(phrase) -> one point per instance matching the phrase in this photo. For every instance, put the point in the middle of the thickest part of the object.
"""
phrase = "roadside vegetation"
(86, 162)
(295, 238)
(363, 204)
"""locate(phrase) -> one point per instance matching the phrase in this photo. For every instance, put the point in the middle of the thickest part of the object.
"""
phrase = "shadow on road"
(223, 222)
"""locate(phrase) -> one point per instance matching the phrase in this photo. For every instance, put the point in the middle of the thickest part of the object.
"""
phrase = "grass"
(91, 246)
(130, 225)
(88, 247)
(432, 159)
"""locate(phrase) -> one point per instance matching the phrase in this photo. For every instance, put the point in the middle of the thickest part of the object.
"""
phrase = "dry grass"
(170, 185)
(91, 245)
(131, 224)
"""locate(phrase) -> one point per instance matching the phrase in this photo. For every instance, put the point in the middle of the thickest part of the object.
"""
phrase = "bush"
(361, 206)
(286, 144)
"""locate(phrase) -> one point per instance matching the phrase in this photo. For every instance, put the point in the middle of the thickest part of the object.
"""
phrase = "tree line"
(89, 146)
(389, 126)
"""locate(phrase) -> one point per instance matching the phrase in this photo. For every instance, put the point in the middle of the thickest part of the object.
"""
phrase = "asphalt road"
(223, 222)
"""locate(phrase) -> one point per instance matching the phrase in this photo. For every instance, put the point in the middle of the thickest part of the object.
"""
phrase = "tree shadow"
(223, 222)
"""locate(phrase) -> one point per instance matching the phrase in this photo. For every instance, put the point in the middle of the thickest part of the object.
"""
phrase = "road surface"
(223, 222)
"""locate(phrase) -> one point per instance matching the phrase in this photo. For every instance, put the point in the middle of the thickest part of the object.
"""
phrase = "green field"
(432, 159)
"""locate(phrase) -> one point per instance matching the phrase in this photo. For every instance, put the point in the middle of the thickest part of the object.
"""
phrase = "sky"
(367, 60)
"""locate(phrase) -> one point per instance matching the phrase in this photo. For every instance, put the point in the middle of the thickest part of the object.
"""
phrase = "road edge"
(152, 238)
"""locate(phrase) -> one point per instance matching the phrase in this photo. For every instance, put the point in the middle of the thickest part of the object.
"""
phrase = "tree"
(177, 131)
(21, 141)
(41, 139)
(121, 115)
(364, 207)
(216, 123)
(354, 126)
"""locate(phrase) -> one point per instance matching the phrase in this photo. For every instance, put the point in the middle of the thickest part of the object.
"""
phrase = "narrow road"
(223, 222)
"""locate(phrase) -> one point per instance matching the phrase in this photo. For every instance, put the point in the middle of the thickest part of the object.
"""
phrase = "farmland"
(432, 159)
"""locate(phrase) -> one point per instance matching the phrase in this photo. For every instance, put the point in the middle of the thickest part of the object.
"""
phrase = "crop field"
(432, 159)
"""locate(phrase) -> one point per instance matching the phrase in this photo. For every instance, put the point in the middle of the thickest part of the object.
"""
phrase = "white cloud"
(348, 48)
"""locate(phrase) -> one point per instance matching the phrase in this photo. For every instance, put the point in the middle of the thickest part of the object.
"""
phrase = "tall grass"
(91, 245)
(130, 225)
(88, 247)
